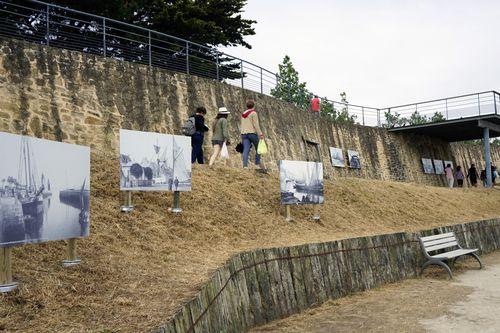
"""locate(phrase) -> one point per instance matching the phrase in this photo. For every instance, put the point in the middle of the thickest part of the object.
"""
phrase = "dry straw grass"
(139, 268)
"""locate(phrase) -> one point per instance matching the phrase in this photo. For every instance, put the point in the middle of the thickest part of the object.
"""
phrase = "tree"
(289, 87)
(148, 173)
(343, 116)
(417, 119)
(437, 117)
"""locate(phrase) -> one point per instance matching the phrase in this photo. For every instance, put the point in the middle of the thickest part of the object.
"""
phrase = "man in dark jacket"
(198, 136)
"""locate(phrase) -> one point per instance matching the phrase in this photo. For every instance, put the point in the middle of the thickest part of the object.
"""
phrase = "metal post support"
(261, 83)
(495, 101)
(363, 114)
(478, 104)
(288, 213)
(378, 118)
(176, 209)
(187, 58)
(446, 101)
(217, 66)
(127, 206)
(48, 26)
(149, 49)
(241, 73)
(317, 215)
(104, 37)
(72, 258)
(6, 283)
(487, 155)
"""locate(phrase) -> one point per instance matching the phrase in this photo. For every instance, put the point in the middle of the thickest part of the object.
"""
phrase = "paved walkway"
(471, 303)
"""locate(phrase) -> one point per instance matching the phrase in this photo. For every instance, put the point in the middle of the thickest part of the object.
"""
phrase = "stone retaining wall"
(85, 99)
(260, 286)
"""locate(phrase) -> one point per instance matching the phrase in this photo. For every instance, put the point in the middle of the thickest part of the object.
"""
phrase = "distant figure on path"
(315, 105)
(459, 175)
(198, 136)
(170, 184)
(250, 134)
(176, 183)
(449, 175)
(220, 134)
(494, 175)
(482, 176)
(472, 174)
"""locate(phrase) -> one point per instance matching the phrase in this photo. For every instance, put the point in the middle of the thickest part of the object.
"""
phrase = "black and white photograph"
(354, 161)
(439, 167)
(337, 157)
(448, 162)
(301, 182)
(182, 163)
(44, 190)
(154, 161)
(428, 166)
(146, 161)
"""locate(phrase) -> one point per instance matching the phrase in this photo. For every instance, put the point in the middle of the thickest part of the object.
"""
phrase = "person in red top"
(315, 105)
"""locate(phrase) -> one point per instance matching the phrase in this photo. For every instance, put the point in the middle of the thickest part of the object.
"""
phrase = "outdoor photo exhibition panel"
(439, 167)
(354, 161)
(154, 162)
(44, 190)
(428, 166)
(301, 182)
(337, 157)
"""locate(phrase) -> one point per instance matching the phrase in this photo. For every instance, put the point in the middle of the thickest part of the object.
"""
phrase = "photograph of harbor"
(428, 166)
(439, 167)
(354, 161)
(154, 162)
(182, 163)
(301, 182)
(337, 157)
(44, 190)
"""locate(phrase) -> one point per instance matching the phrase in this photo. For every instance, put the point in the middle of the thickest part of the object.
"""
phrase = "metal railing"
(457, 107)
(66, 28)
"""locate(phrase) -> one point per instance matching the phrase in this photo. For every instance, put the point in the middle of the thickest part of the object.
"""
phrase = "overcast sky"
(381, 52)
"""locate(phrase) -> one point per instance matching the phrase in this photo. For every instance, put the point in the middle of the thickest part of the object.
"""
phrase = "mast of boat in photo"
(29, 192)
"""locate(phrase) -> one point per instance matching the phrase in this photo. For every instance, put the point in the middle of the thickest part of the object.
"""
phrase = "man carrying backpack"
(196, 128)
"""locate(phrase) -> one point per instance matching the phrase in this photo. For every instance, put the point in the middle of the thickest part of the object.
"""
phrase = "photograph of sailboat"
(301, 182)
(428, 166)
(154, 162)
(44, 190)
(354, 161)
(337, 157)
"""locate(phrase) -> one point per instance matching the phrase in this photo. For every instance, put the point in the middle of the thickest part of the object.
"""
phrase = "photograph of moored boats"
(428, 166)
(154, 162)
(354, 161)
(301, 182)
(337, 157)
(44, 190)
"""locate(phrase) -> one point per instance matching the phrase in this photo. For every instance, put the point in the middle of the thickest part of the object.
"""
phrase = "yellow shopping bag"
(262, 147)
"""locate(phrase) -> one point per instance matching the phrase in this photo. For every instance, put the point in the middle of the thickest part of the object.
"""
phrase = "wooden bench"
(449, 251)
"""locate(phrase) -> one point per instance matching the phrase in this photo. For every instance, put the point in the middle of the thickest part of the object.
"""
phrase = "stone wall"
(256, 287)
(85, 99)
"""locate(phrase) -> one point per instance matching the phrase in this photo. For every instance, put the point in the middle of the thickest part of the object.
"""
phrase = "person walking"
(449, 175)
(472, 175)
(250, 134)
(494, 175)
(315, 105)
(199, 134)
(459, 175)
(220, 134)
(482, 176)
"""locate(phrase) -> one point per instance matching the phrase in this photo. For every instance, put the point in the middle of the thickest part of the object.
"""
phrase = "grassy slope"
(138, 268)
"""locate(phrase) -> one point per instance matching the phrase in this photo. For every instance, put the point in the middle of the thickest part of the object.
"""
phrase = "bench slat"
(429, 238)
(441, 246)
(453, 254)
(440, 241)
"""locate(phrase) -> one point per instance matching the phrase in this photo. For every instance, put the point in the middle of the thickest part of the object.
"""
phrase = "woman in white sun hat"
(220, 135)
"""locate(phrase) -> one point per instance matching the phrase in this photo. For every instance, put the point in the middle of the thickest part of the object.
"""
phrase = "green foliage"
(215, 22)
(395, 119)
(289, 88)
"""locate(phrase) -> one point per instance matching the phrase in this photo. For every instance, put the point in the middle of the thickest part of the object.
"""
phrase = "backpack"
(189, 127)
